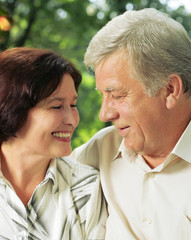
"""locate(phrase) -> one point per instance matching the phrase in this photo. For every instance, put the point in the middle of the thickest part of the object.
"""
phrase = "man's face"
(139, 118)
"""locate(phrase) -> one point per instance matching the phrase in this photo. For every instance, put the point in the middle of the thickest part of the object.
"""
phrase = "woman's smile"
(63, 136)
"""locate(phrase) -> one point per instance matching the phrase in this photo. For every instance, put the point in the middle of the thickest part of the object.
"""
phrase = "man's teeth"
(62, 135)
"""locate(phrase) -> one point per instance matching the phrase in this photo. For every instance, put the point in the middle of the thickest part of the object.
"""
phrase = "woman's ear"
(174, 89)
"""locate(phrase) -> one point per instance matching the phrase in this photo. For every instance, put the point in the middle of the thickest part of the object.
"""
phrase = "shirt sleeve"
(89, 202)
(104, 144)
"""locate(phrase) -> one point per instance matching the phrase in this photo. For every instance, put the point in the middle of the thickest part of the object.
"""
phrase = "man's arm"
(104, 144)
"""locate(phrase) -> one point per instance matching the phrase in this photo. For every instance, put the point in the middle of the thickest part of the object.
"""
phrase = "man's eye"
(116, 96)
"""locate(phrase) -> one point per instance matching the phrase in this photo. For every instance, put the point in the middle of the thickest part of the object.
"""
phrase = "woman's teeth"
(61, 135)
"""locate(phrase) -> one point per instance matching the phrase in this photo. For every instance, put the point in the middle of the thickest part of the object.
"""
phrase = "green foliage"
(66, 27)
(88, 105)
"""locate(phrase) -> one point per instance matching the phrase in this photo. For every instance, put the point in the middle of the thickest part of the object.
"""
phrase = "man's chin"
(131, 150)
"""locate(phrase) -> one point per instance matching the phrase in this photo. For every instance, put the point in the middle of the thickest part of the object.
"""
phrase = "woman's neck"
(24, 171)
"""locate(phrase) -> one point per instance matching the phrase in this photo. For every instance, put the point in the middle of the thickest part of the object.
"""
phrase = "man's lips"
(123, 130)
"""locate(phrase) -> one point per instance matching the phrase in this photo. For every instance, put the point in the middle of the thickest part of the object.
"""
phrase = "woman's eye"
(73, 105)
(60, 106)
(57, 107)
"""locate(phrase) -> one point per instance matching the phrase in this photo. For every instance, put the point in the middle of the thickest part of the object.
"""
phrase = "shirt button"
(147, 220)
(151, 175)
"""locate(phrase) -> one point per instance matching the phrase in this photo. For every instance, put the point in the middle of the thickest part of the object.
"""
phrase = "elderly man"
(142, 63)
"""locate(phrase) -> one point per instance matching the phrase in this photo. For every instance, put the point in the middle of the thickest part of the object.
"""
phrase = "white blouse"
(66, 205)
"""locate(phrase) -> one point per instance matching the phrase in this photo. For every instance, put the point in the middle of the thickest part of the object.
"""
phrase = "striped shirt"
(66, 205)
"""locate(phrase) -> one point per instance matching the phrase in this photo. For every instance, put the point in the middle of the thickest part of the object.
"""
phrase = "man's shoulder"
(107, 131)
(104, 144)
(104, 136)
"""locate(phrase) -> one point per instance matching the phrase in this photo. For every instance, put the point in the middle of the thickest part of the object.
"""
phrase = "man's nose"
(108, 112)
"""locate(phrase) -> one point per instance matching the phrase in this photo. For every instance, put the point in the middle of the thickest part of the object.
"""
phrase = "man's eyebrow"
(107, 89)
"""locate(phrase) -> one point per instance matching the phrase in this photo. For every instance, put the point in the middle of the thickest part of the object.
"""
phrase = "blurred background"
(66, 27)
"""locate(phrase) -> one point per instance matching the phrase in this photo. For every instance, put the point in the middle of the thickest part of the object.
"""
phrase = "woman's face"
(50, 124)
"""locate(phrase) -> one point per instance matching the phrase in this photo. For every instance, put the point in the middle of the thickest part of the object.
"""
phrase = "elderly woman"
(43, 196)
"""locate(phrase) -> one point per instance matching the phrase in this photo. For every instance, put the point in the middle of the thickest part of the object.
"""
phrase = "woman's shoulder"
(86, 194)
(75, 172)
(74, 166)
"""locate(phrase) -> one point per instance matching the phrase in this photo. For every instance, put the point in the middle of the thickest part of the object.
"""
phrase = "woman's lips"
(62, 136)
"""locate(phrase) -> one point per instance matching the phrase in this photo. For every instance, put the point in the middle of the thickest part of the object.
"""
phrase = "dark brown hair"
(27, 76)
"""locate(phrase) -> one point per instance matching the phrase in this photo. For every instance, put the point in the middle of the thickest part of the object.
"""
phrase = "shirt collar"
(183, 147)
(124, 152)
(51, 172)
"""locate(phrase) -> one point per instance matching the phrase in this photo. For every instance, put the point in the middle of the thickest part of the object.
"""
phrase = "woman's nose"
(71, 117)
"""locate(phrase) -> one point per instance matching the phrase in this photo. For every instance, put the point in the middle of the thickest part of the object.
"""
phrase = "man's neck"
(154, 162)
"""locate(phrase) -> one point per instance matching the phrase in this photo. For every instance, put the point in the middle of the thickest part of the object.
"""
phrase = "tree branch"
(32, 17)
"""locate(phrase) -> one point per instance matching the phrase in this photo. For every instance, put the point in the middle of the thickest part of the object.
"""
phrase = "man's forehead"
(109, 83)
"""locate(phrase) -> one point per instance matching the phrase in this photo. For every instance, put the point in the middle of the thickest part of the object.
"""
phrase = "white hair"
(155, 45)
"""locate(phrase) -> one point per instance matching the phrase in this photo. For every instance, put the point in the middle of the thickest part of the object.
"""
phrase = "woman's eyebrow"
(55, 99)
(60, 99)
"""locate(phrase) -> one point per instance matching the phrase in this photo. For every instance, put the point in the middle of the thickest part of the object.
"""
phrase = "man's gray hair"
(155, 45)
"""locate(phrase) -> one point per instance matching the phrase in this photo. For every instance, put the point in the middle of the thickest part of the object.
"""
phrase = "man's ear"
(174, 90)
